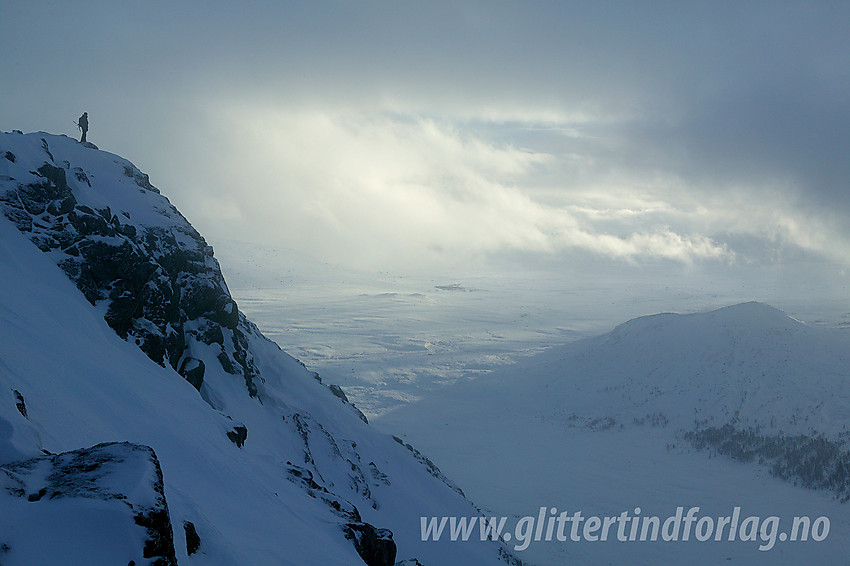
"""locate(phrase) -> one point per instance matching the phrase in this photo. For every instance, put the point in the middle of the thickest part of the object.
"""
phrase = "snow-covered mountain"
(741, 406)
(144, 418)
(748, 365)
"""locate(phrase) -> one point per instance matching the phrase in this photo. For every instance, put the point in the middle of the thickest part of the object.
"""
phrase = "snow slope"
(750, 363)
(608, 424)
(267, 463)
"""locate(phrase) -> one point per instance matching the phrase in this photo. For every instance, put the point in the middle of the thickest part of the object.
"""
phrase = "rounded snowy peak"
(749, 316)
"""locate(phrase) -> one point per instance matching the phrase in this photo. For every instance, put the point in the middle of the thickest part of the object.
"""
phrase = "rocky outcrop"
(157, 280)
(375, 546)
(20, 403)
(193, 540)
(120, 480)
(161, 286)
(192, 369)
(343, 454)
(238, 435)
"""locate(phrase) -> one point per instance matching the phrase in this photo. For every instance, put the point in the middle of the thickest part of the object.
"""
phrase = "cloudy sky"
(393, 135)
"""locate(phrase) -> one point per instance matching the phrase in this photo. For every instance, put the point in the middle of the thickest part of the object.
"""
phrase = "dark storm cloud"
(776, 111)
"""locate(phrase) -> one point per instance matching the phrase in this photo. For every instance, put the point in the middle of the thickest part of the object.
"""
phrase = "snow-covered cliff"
(121, 330)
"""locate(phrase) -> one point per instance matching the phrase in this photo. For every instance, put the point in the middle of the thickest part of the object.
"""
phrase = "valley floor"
(430, 360)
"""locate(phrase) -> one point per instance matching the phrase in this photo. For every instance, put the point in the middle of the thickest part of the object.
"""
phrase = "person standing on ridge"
(83, 124)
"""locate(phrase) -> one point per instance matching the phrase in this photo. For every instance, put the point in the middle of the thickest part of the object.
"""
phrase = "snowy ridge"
(746, 381)
(139, 341)
(750, 364)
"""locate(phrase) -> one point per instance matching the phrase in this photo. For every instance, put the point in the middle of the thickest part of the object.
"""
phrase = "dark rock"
(212, 334)
(225, 362)
(81, 176)
(47, 149)
(34, 197)
(160, 542)
(105, 213)
(209, 300)
(305, 476)
(89, 223)
(10, 156)
(37, 496)
(157, 521)
(242, 356)
(153, 345)
(375, 546)
(20, 403)
(193, 541)
(43, 243)
(192, 369)
(238, 435)
(127, 230)
(378, 475)
(341, 507)
(56, 175)
(360, 414)
(21, 219)
(338, 392)
(141, 179)
(63, 206)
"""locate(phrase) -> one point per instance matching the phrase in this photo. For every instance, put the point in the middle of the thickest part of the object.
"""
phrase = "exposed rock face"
(20, 403)
(375, 546)
(238, 435)
(155, 277)
(337, 391)
(193, 370)
(119, 479)
(193, 541)
(163, 289)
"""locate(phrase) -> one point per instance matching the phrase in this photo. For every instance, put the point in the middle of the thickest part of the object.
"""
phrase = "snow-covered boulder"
(98, 505)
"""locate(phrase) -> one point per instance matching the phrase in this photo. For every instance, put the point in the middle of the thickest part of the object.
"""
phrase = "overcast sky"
(398, 134)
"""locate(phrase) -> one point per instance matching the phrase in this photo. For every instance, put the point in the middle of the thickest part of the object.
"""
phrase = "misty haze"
(411, 285)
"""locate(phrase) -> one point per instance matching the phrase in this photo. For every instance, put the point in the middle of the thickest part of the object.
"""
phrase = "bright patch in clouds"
(393, 134)
(373, 187)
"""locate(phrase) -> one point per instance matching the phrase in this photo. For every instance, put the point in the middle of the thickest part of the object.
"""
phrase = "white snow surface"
(572, 428)
(83, 385)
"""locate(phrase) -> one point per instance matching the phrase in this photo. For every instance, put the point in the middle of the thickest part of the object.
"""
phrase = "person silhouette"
(83, 124)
